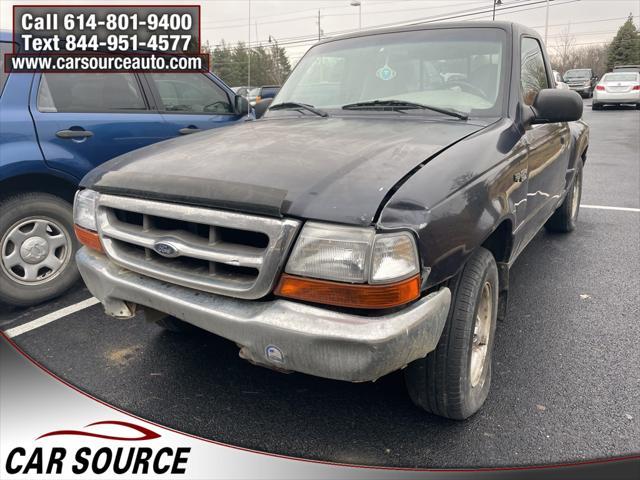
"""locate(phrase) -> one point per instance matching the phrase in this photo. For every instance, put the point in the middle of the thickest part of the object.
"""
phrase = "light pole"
(496, 2)
(546, 24)
(358, 3)
(249, 58)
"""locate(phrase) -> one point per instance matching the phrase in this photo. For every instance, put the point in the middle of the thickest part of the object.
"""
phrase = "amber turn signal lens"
(88, 238)
(349, 295)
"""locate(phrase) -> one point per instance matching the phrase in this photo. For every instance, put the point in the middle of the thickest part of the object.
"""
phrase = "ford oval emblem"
(166, 249)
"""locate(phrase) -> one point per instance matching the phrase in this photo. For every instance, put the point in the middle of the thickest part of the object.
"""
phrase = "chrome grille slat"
(194, 279)
(190, 245)
(207, 260)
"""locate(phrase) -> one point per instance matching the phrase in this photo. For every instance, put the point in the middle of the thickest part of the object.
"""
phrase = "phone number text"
(111, 43)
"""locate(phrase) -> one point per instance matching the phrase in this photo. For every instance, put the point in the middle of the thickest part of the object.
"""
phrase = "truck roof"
(509, 27)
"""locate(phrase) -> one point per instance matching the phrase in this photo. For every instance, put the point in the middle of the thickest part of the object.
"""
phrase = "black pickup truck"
(400, 175)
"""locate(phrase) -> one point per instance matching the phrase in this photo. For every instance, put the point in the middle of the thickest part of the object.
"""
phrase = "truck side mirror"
(261, 107)
(241, 105)
(552, 105)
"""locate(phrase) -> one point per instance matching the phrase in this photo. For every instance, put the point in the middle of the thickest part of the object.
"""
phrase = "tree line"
(624, 49)
(269, 64)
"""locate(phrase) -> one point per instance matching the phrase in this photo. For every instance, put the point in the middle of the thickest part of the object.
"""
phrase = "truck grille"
(210, 250)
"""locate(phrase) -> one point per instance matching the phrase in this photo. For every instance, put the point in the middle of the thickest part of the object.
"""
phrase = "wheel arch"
(500, 241)
(500, 244)
(38, 182)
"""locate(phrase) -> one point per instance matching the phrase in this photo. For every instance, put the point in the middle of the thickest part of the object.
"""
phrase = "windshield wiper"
(298, 106)
(401, 105)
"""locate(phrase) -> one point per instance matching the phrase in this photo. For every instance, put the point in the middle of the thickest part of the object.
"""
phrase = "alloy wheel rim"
(575, 200)
(35, 250)
(481, 334)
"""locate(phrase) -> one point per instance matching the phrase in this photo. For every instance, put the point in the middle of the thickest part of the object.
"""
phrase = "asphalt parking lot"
(566, 384)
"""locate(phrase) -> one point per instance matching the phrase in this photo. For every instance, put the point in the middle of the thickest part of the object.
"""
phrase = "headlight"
(84, 209)
(332, 253)
(352, 267)
(587, 83)
(352, 254)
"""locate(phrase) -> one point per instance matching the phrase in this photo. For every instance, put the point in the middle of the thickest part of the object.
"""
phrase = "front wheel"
(37, 248)
(565, 218)
(453, 381)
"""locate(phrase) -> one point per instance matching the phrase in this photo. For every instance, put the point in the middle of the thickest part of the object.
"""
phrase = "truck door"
(191, 102)
(85, 119)
(548, 144)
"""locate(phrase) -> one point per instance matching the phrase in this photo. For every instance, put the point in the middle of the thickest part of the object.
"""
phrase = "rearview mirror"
(261, 107)
(241, 105)
(552, 105)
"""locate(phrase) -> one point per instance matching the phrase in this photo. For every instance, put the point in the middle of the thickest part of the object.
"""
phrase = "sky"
(294, 23)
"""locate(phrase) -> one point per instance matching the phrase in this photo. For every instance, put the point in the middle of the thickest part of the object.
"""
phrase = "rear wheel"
(37, 248)
(453, 381)
(596, 106)
(565, 217)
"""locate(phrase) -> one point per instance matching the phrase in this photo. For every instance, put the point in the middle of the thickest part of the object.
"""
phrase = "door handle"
(188, 130)
(74, 134)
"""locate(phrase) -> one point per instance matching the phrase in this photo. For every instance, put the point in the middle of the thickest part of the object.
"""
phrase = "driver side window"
(190, 93)
(533, 73)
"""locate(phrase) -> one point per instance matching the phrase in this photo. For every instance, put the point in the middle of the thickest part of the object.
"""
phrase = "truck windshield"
(579, 73)
(455, 69)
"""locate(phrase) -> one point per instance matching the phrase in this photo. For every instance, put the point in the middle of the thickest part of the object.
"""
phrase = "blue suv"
(54, 128)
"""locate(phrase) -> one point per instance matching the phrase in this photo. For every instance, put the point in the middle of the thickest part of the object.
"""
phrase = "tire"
(444, 383)
(175, 325)
(565, 217)
(596, 106)
(637, 106)
(37, 248)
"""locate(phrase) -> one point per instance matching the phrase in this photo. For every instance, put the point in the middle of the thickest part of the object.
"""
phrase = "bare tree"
(595, 57)
(565, 55)
(563, 51)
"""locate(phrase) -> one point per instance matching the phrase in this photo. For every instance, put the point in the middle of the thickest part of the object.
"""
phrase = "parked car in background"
(627, 68)
(262, 93)
(558, 81)
(581, 80)
(374, 232)
(244, 91)
(54, 128)
(617, 88)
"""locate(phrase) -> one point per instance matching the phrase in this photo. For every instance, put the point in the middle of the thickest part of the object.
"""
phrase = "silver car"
(617, 88)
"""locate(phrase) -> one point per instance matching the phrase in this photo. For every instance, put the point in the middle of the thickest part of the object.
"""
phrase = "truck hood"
(336, 169)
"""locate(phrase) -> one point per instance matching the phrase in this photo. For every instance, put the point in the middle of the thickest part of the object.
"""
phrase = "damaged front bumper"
(279, 333)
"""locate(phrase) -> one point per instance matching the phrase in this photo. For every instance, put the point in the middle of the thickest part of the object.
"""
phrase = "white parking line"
(50, 317)
(63, 312)
(603, 207)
